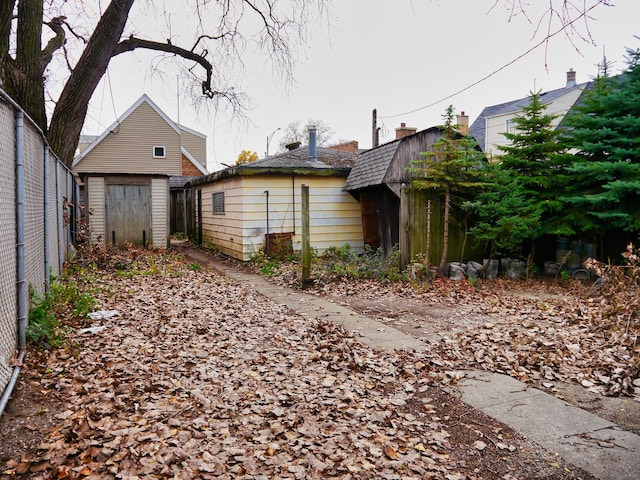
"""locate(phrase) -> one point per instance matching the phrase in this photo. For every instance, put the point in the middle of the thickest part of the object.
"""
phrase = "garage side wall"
(95, 204)
(223, 231)
(160, 212)
(334, 219)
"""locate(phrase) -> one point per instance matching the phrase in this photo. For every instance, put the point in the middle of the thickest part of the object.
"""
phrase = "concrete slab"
(607, 454)
(583, 439)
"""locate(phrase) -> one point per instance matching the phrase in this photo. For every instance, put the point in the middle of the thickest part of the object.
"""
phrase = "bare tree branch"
(133, 43)
(57, 41)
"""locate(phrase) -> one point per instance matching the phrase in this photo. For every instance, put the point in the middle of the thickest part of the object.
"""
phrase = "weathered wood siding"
(160, 212)
(416, 204)
(335, 217)
(95, 204)
(129, 148)
(408, 150)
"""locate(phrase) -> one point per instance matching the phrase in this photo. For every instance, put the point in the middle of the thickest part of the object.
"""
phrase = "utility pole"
(374, 129)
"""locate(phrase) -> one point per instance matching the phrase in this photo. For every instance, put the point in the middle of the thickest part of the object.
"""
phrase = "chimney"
(403, 130)
(350, 147)
(313, 147)
(571, 78)
(463, 123)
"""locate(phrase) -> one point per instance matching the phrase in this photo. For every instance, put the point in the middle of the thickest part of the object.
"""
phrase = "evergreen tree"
(604, 130)
(504, 215)
(533, 160)
(452, 168)
(521, 199)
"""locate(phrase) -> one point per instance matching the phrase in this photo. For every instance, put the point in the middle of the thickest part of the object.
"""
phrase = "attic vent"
(159, 152)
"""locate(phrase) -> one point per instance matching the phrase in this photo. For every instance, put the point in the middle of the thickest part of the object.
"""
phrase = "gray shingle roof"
(372, 166)
(180, 181)
(299, 158)
(478, 128)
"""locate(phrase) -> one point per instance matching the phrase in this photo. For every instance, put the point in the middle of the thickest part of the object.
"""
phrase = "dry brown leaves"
(536, 331)
(199, 377)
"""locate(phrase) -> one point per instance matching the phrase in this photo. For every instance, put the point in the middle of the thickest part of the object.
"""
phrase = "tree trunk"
(445, 235)
(23, 76)
(68, 117)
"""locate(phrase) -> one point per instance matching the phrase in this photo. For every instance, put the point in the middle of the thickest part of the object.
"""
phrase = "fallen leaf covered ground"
(540, 331)
(200, 377)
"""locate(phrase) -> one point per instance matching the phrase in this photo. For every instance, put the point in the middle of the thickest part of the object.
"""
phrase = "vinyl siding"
(196, 145)
(335, 217)
(160, 212)
(129, 148)
(496, 125)
(95, 204)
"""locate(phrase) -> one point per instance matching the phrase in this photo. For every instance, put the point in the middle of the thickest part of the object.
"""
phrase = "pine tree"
(504, 215)
(452, 168)
(534, 161)
(604, 129)
(521, 199)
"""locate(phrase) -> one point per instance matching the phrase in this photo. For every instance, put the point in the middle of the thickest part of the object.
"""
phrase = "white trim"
(193, 160)
(164, 151)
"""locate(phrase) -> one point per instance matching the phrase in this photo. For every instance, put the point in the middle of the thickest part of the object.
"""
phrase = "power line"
(486, 77)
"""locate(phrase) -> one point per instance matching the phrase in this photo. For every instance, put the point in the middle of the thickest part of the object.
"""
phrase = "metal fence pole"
(47, 235)
(20, 234)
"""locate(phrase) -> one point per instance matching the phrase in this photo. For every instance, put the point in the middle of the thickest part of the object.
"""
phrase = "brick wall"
(189, 169)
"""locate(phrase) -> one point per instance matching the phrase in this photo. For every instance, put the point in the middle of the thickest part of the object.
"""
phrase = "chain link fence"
(34, 235)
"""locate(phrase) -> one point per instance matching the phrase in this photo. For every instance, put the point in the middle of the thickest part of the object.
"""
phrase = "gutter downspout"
(266, 192)
(21, 293)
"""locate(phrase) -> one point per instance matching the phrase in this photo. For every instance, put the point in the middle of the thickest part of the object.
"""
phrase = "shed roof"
(372, 166)
(180, 181)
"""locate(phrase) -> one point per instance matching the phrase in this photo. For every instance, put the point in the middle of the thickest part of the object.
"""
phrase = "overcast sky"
(397, 56)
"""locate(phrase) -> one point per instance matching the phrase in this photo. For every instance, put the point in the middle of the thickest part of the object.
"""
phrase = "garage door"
(128, 214)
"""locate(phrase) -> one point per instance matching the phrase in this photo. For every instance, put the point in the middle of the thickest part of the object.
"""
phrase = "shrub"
(43, 328)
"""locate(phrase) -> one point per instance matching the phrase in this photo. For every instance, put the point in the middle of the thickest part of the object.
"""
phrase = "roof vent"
(292, 145)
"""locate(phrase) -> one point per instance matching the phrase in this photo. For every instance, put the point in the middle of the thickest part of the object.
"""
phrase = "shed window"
(159, 151)
(218, 202)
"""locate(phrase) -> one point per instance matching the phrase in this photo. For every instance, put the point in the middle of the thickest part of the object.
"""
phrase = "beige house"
(242, 208)
(126, 172)
(489, 128)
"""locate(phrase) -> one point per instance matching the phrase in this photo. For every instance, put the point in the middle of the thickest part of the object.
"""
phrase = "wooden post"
(306, 241)
(428, 252)
(405, 226)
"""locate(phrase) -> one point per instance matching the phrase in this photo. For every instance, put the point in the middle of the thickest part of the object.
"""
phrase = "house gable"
(142, 141)
(489, 128)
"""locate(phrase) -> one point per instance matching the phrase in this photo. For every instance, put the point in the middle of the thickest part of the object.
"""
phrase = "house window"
(159, 151)
(218, 202)
(511, 126)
